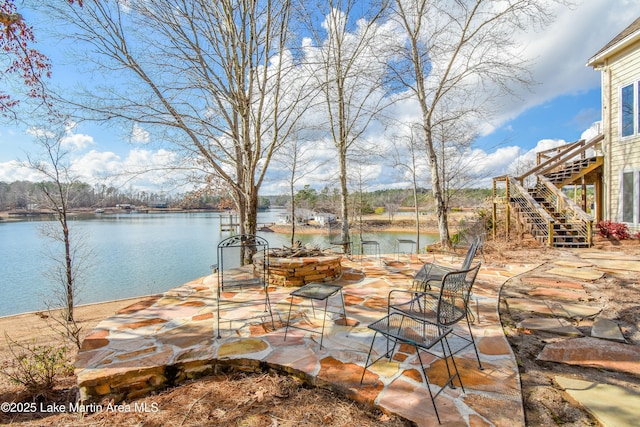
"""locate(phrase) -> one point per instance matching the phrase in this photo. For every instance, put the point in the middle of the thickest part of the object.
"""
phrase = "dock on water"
(231, 223)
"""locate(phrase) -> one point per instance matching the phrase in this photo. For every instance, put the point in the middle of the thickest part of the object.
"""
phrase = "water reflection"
(135, 254)
(386, 240)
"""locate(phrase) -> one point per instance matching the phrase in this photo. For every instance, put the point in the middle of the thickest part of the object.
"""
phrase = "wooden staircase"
(574, 170)
(541, 208)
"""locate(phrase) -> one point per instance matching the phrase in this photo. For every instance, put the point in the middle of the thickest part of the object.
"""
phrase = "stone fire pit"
(291, 267)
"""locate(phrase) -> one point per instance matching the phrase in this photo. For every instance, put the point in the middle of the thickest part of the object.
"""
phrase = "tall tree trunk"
(251, 212)
(68, 270)
(250, 224)
(344, 202)
(438, 194)
(415, 206)
(293, 212)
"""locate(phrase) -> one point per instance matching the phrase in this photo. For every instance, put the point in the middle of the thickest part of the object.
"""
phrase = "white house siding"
(624, 154)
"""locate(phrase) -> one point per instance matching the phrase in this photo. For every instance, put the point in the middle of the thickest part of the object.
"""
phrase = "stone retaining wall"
(302, 270)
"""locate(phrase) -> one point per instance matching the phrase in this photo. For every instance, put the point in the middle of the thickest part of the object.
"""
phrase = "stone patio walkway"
(555, 301)
(169, 338)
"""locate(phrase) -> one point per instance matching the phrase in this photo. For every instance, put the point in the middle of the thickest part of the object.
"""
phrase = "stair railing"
(539, 222)
(580, 221)
(538, 219)
(567, 153)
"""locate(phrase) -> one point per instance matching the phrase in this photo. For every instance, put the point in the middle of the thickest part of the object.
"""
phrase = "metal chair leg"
(286, 329)
(473, 342)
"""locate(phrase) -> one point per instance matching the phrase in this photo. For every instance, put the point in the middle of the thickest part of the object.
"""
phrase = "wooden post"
(494, 213)
(598, 199)
(507, 210)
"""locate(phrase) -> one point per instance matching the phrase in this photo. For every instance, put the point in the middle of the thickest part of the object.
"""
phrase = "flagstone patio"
(169, 338)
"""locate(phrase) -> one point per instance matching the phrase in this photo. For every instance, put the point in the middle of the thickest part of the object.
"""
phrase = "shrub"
(455, 238)
(379, 211)
(35, 367)
(615, 230)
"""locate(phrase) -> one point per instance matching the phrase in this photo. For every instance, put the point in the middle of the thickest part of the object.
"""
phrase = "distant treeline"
(328, 199)
(20, 195)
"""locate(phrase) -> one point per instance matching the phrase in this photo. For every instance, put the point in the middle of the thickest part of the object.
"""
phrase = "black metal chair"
(432, 273)
(447, 306)
(424, 335)
(468, 231)
(241, 286)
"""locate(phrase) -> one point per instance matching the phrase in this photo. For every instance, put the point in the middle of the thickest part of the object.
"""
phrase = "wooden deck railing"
(574, 218)
(567, 153)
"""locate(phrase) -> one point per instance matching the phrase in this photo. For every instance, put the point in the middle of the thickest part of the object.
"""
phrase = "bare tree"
(358, 176)
(298, 160)
(455, 160)
(406, 149)
(58, 187)
(204, 76)
(392, 202)
(457, 57)
(350, 72)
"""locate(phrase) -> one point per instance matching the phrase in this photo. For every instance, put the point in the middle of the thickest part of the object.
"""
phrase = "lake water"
(132, 255)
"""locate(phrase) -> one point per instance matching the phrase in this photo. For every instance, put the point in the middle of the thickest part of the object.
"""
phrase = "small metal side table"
(345, 247)
(376, 248)
(317, 291)
(407, 242)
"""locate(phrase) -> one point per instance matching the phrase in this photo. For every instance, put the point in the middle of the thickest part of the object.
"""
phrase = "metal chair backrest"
(234, 251)
(454, 295)
(471, 253)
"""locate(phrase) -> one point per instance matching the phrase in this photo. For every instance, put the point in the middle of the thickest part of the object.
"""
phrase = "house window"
(627, 108)
(630, 197)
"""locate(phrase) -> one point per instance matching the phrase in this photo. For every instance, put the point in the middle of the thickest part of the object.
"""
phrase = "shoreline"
(370, 228)
(37, 328)
(24, 215)
(81, 307)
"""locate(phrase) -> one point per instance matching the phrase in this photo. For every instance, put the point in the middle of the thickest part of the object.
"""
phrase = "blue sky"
(563, 117)
(563, 104)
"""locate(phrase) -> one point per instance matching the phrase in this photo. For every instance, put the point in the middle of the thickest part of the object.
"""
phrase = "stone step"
(591, 394)
(594, 353)
(550, 325)
(607, 330)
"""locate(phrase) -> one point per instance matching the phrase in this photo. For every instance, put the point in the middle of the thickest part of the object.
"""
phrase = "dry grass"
(234, 400)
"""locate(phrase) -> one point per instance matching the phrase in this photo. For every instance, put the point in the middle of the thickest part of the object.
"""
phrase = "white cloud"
(77, 141)
(69, 141)
(143, 169)
(562, 50)
(139, 135)
(15, 171)
(492, 164)
(593, 131)
(524, 161)
(40, 133)
(96, 165)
